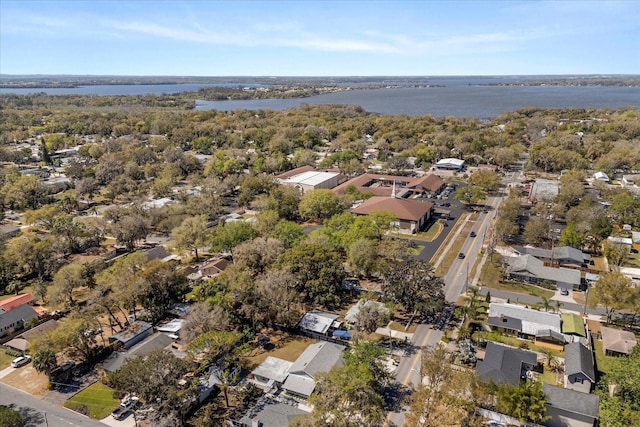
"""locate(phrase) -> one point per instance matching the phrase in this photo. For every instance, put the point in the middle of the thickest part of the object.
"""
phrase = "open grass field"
(97, 399)
(603, 362)
(287, 347)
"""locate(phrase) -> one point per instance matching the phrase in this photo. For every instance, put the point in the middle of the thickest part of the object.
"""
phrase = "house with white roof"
(272, 372)
(318, 322)
(526, 322)
(309, 180)
(450, 164)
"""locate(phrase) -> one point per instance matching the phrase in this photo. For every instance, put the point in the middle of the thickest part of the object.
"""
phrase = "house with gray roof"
(563, 255)
(268, 412)
(503, 364)
(525, 322)
(617, 342)
(528, 268)
(319, 357)
(579, 372)
(16, 319)
(567, 407)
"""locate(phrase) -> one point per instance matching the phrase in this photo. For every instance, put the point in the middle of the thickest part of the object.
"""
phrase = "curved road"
(36, 412)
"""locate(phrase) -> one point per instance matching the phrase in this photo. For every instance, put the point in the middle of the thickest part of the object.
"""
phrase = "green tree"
(10, 417)
(362, 257)
(570, 236)
(526, 402)
(470, 194)
(352, 395)
(319, 204)
(612, 290)
(623, 407)
(44, 361)
(487, 180)
(191, 234)
(228, 235)
(318, 269)
(413, 284)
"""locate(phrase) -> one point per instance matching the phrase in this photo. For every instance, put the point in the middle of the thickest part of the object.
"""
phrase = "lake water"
(448, 96)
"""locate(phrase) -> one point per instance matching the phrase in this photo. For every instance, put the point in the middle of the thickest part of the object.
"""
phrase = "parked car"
(564, 291)
(20, 361)
(129, 403)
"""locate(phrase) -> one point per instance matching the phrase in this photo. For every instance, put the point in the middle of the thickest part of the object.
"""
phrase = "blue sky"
(319, 38)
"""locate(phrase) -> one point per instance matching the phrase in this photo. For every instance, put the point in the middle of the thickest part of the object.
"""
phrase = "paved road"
(38, 412)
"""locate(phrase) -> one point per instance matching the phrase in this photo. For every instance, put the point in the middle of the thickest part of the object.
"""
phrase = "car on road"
(20, 361)
(472, 234)
(461, 255)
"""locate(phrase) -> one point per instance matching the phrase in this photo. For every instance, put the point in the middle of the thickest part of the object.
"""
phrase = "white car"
(20, 361)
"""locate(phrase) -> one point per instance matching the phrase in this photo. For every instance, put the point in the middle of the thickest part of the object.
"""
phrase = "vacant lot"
(284, 346)
(27, 379)
(97, 401)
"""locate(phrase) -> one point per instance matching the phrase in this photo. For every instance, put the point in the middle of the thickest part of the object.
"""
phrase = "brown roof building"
(383, 185)
(412, 214)
(617, 342)
(215, 267)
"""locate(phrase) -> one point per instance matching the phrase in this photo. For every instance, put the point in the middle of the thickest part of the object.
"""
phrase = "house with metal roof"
(532, 270)
(318, 321)
(573, 324)
(526, 322)
(450, 164)
(567, 407)
(135, 333)
(319, 357)
(579, 372)
(503, 364)
(617, 342)
(272, 372)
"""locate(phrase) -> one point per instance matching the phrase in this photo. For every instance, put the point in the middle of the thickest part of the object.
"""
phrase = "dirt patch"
(28, 380)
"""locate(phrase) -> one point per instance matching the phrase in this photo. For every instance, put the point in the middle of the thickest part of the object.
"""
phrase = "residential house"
(563, 255)
(268, 412)
(412, 215)
(16, 319)
(215, 266)
(543, 190)
(526, 322)
(532, 270)
(630, 180)
(570, 408)
(144, 346)
(272, 372)
(503, 364)
(135, 333)
(579, 371)
(354, 310)
(319, 357)
(21, 342)
(573, 325)
(318, 321)
(617, 342)
(16, 301)
(8, 231)
(601, 176)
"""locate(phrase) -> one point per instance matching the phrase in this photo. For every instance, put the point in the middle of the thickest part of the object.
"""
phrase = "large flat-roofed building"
(312, 180)
(450, 164)
(543, 190)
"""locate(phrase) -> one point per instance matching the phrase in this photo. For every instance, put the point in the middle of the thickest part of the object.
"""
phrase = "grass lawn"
(97, 398)
(452, 254)
(549, 377)
(5, 359)
(521, 288)
(598, 263)
(491, 272)
(603, 362)
(288, 347)
(515, 342)
(400, 327)
(431, 234)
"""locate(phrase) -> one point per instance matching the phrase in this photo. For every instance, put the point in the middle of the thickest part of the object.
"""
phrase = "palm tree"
(546, 303)
(558, 304)
(44, 361)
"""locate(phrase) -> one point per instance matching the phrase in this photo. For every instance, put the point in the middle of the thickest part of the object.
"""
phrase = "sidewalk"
(384, 331)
